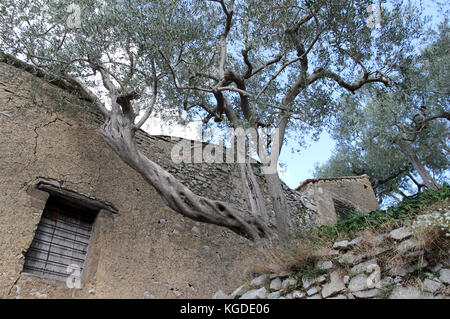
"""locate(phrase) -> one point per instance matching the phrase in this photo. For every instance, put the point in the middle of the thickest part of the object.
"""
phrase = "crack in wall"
(5, 113)
(14, 284)
(36, 137)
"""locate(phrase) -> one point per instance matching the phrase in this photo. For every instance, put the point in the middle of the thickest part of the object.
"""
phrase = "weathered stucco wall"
(353, 191)
(146, 249)
(138, 254)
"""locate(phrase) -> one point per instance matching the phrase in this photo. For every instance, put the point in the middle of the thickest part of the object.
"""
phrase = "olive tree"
(398, 136)
(273, 67)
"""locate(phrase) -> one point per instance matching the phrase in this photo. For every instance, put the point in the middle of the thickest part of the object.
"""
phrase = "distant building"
(336, 197)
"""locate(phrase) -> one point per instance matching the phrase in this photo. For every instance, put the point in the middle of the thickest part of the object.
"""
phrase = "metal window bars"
(61, 240)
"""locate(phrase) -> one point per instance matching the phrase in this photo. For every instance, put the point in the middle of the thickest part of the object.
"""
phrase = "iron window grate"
(61, 240)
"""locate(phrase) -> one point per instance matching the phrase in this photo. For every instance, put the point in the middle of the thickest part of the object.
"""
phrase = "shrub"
(407, 209)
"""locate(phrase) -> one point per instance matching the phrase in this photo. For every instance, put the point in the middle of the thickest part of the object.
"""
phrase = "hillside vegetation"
(401, 252)
(404, 212)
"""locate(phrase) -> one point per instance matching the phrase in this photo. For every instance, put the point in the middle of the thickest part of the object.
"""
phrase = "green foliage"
(246, 63)
(308, 270)
(378, 129)
(407, 209)
(180, 38)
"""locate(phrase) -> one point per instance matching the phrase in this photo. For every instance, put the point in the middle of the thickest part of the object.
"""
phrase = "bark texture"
(427, 179)
(118, 132)
(280, 206)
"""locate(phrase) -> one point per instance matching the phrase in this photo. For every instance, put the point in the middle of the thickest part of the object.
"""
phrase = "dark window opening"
(61, 240)
(342, 210)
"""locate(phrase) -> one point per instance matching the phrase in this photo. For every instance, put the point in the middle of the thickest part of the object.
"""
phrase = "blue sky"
(300, 166)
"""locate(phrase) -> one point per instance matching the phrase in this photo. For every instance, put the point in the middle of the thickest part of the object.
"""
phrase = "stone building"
(69, 207)
(72, 212)
(334, 198)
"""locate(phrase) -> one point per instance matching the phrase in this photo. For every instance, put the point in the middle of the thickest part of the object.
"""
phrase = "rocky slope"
(396, 264)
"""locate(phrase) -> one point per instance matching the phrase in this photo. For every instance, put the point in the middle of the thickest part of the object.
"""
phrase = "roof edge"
(329, 179)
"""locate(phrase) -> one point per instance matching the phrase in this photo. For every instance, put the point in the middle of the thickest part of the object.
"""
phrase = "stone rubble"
(335, 285)
(349, 274)
(275, 284)
(260, 293)
(406, 246)
(362, 267)
(368, 293)
(312, 291)
(400, 292)
(288, 283)
(274, 295)
(239, 291)
(220, 295)
(307, 282)
(358, 283)
(400, 233)
(444, 276)
(297, 294)
(325, 265)
(259, 281)
(431, 285)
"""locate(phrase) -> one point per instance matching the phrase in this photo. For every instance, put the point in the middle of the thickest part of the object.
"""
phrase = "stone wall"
(355, 192)
(395, 264)
(222, 181)
(144, 251)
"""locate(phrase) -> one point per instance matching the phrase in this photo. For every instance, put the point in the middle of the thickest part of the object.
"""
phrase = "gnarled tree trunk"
(118, 132)
(427, 179)
(280, 206)
(256, 203)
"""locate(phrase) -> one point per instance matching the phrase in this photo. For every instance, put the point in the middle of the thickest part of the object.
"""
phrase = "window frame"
(61, 240)
(40, 193)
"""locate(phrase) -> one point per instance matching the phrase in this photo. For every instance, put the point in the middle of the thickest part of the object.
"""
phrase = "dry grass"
(433, 240)
(274, 259)
(370, 232)
(436, 206)
(370, 241)
(429, 243)
(429, 237)
(303, 255)
(445, 291)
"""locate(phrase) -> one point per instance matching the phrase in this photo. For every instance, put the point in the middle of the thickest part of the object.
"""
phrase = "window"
(62, 238)
(342, 210)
